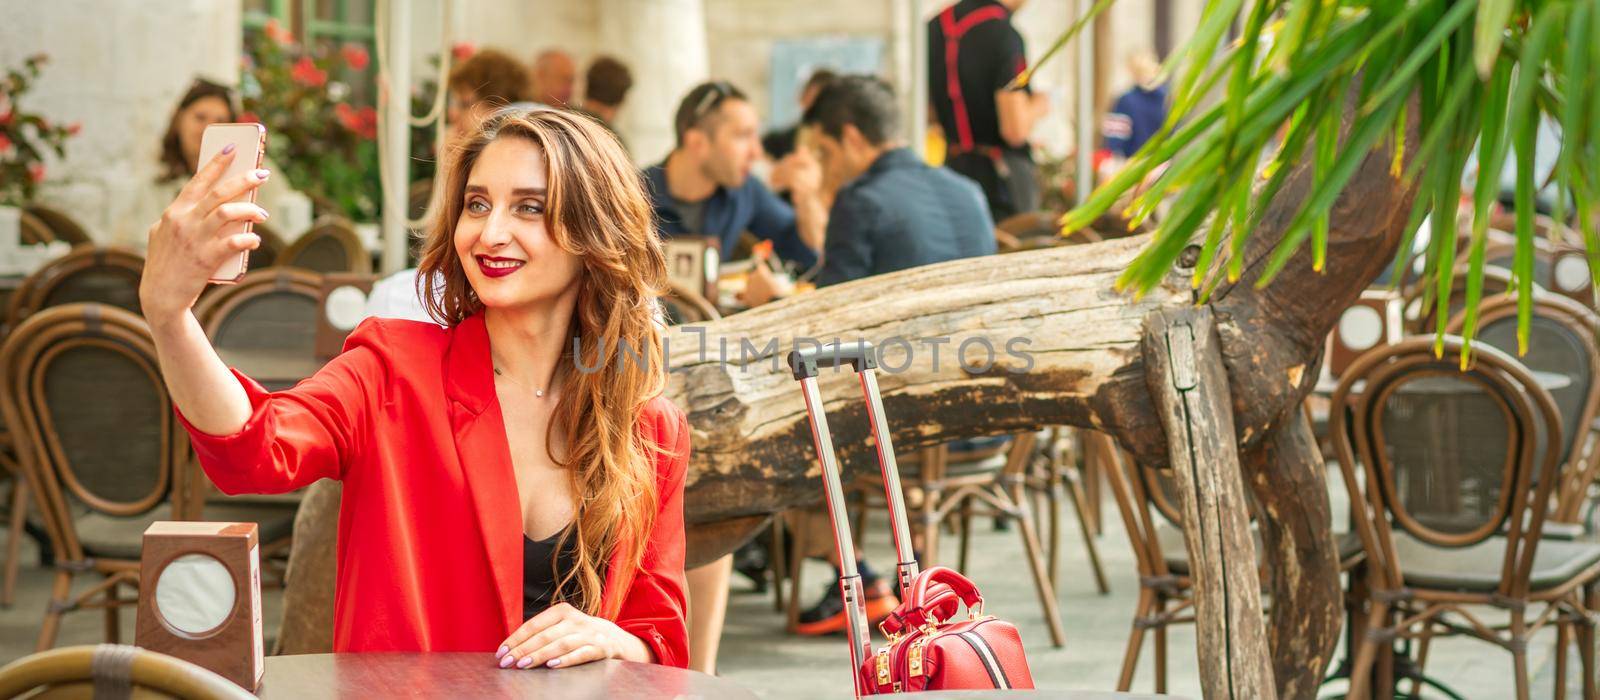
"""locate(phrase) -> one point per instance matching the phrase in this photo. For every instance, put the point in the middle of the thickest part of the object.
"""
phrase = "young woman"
(500, 494)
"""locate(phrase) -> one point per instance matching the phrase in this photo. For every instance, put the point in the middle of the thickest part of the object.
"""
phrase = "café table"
(475, 675)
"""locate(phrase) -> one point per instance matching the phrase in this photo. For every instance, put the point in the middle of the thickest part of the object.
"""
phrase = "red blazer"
(430, 529)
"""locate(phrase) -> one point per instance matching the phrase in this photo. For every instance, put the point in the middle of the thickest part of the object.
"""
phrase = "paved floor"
(757, 654)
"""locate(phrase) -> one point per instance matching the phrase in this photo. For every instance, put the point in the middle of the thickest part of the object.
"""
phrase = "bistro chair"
(1562, 345)
(62, 227)
(683, 306)
(101, 449)
(266, 325)
(34, 230)
(103, 275)
(271, 248)
(113, 670)
(330, 246)
(1450, 472)
(1152, 516)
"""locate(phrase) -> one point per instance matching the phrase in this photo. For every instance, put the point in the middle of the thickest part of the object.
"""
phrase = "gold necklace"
(536, 391)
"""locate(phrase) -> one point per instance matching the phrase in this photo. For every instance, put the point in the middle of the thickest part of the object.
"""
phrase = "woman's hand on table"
(563, 636)
(187, 245)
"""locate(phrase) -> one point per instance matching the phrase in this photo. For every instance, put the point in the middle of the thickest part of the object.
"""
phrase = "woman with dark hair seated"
(512, 483)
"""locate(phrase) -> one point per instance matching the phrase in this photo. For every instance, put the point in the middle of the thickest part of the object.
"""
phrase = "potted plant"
(25, 138)
(322, 130)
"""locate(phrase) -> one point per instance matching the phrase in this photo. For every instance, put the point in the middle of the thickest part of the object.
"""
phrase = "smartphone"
(250, 146)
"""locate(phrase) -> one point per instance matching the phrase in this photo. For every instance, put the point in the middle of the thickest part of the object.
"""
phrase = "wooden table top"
(475, 675)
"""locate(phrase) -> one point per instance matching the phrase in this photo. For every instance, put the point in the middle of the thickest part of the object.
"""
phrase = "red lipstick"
(492, 266)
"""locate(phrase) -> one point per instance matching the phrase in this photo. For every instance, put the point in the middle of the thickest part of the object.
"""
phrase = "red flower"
(36, 172)
(277, 33)
(74, 128)
(462, 51)
(356, 56)
(306, 73)
(6, 117)
(368, 117)
(5, 144)
(249, 118)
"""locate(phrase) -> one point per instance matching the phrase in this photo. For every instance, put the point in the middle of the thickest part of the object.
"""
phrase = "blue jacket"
(750, 207)
(903, 213)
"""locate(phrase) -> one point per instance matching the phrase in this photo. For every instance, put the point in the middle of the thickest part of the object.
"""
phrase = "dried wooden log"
(1185, 374)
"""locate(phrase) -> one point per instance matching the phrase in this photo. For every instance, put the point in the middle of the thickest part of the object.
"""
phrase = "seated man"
(893, 212)
(704, 186)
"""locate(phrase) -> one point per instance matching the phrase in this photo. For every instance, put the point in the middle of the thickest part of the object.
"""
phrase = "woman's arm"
(185, 247)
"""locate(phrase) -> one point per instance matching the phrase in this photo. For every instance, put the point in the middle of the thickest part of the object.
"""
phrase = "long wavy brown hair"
(597, 209)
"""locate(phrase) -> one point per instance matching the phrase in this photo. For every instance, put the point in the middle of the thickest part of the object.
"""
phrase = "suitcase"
(925, 649)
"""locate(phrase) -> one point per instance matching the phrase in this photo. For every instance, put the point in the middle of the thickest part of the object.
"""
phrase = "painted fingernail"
(262, 174)
(506, 661)
(502, 652)
(227, 149)
(525, 662)
(554, 663)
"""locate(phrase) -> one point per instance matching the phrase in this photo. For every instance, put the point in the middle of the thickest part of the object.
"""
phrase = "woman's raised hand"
(189, 243)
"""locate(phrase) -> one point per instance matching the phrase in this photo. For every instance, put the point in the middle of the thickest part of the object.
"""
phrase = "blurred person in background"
(605, 86)
(1137, 115)
(781, 142)
(203, 104)
(555, 78)
(704, 187)
(973, 55)
(488, 80)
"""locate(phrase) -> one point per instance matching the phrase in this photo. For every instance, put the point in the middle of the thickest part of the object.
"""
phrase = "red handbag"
(926, 650)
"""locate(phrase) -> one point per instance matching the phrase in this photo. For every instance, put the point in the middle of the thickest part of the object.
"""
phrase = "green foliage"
(1483, 74)
(321, 135)
(25, 137)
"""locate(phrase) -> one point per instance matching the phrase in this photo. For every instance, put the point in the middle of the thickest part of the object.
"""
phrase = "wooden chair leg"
(1586, 640)
(19, 519)
(113, 620)
(966, 535)
(59, 599)
(1563, 641)
(1519, 653)
(779, 563)
(1130, 658)
(796, 565)
(1424, 643)
(1367, 654)
(1080, 508)
(1159, 644)
(1047, 594)
(1093, 462)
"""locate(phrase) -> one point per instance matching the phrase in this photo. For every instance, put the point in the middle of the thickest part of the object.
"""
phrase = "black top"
(988, 54)
(540, 573)
(902, 213)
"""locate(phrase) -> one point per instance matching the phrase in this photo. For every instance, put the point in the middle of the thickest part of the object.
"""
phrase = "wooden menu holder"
(693, 263)
(200, 597)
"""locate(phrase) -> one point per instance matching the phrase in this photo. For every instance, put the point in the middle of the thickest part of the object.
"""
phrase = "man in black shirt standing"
(973, 53)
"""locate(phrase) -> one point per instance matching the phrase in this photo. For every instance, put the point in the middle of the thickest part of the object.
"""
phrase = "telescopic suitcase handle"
(861, 356)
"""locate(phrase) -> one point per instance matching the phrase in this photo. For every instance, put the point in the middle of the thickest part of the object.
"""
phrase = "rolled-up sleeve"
(297, 436)
(655, 608)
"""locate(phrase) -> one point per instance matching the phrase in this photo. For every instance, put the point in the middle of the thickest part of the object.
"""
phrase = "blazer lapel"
(485, 456)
